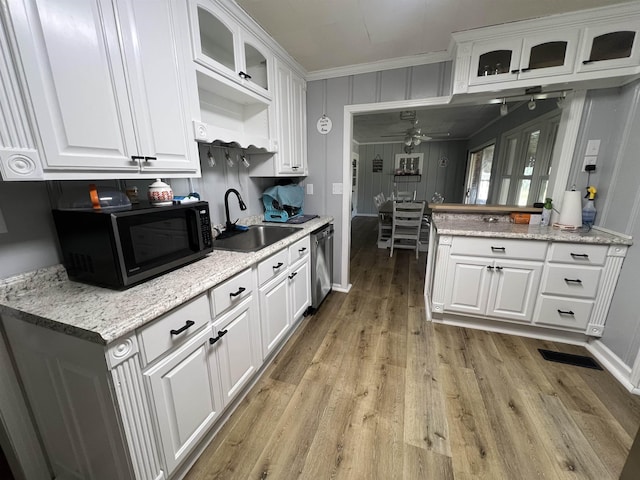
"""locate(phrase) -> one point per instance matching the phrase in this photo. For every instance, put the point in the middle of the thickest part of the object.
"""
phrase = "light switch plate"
(337, 189)
(593, 147)
(309, 188)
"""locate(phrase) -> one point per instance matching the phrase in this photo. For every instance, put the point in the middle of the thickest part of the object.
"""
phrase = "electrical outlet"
(3, 225)
(589, 160)
(309, 188)
(337, 189)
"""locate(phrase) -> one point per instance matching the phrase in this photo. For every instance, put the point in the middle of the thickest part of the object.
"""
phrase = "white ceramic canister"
(160, 194)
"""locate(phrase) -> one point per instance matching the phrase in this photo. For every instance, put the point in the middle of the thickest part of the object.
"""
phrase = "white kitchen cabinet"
(110, 92)
(221, 44)
(275, 312)
(548, 284)
(186, 394)
(536, 55)
(598, 44)
(238, 348)
(505, 289)
(610, 45)
(290, 104)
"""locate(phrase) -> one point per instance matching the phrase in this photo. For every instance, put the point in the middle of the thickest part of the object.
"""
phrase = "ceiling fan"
(414, 136)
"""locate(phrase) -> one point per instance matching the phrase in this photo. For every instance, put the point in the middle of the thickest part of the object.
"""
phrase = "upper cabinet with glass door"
(222, 45)
(598, 44)
(540, 55)
(613, 45)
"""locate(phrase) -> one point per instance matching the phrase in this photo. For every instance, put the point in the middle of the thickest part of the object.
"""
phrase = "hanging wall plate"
(324, 125)
(444, 161)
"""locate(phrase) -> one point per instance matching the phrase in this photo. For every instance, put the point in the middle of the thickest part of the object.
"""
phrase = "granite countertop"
(47, 298)
(476, 226)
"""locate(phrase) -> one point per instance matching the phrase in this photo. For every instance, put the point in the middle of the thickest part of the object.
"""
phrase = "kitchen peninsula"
(529, 280)
(133, 384)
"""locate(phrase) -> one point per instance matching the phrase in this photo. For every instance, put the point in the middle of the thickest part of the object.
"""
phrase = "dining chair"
(384, 220)
(406, 225)
(405, 196)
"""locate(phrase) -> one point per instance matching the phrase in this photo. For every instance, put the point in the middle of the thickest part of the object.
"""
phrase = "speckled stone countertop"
(470, 225)
(47, 298)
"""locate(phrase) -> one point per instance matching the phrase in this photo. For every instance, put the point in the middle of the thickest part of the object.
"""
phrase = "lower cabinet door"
(275, 313)
(514, 289)
(467, 285)
(238, 347)
(185, 390)
(300, 284)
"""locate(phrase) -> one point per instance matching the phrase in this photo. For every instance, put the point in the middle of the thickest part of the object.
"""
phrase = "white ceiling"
(323, 34)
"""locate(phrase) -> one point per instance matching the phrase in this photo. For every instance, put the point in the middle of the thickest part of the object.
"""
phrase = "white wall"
(325, 152)
(613, 116)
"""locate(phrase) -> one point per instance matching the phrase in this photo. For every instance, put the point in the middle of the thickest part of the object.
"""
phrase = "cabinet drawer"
(569, 313)
(174, 328)
(299, 249)
(578, 253)
(232, 292)
(499, 248)
(571, 280)
(272, 266)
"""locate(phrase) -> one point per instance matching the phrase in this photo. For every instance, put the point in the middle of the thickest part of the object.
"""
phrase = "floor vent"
(569, 359)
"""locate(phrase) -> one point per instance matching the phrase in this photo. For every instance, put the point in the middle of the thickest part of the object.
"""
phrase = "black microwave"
(123, 248)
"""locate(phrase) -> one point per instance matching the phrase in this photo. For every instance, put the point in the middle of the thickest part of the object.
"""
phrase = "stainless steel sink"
(254, 239)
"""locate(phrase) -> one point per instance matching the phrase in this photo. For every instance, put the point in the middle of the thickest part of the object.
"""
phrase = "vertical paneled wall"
(325, 152)
(447, 180)
(613, 117)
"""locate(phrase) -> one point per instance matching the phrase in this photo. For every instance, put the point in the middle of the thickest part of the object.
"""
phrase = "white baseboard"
(614, 365)
(340, 288)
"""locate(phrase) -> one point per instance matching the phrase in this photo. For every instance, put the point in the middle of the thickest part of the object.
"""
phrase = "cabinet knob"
(244, 75)
(526, 69)
(292, 275)
(136, 158)
(302, 250)
(499, 268)
(572, 280)
(275, 267)
(188, 323)
(221, 334)
(498, 249)
(587, 62)
(515, 71)
(150, 159)
(566, 312)
(490, 268)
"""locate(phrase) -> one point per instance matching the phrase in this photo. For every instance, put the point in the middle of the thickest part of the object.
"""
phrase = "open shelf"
(412, 177)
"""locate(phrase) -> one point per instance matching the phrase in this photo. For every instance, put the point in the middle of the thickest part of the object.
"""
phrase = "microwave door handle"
(196, 229)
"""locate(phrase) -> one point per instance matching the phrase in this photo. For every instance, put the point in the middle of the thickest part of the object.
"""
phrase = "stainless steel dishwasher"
(321, 265)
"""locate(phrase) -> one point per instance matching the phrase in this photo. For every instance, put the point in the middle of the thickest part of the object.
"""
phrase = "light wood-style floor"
(367, 389)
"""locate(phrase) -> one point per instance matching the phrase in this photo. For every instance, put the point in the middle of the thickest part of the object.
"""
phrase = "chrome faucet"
(231, 226)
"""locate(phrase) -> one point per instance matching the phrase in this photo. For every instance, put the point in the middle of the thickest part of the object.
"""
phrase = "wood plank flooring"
(367, 389)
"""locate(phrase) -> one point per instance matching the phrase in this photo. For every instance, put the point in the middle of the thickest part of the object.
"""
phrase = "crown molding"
(380, 65)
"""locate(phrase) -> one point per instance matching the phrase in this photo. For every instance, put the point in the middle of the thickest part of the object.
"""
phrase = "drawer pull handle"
(499, 269)
(275, 267)
(563, 312)
(573, 280)
(235, 294)
(135, 158)
(150, 159)
(579, 255)
(498, 249)
(292, 275)
(490, 268)
(221, 334)
(188, 323)
(302, 250)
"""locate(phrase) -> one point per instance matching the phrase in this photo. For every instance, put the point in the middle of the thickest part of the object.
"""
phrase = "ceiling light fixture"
(503, 108)
(532, 103)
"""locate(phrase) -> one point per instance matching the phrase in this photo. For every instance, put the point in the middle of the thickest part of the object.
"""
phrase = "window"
(525, 161)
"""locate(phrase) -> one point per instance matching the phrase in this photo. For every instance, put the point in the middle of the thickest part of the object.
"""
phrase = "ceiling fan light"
(504, 110)
(407, 140)
(532, 104)
(417, 141)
